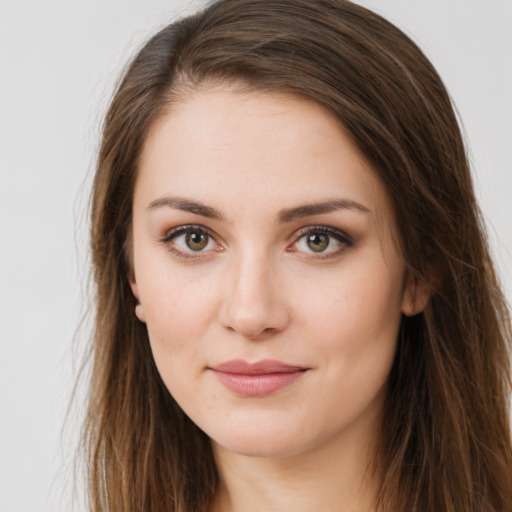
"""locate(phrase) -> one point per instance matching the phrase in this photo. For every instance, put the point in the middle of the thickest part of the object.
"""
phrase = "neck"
(334, 477)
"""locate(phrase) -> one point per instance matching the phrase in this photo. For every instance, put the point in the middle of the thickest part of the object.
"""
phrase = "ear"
(415, 297)
(139, 309)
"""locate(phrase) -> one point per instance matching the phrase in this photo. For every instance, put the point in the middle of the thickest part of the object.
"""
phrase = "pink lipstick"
(257, 379)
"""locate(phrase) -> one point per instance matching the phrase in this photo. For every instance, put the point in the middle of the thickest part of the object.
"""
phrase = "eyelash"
(184, 230)
(345, 241)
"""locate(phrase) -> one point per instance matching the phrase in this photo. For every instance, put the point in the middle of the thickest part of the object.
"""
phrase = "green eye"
(186, 240)
(196, 240)
(317, 242)
(322, 241)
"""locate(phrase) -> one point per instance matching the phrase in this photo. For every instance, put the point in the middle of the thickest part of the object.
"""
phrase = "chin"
(262, 447)
(264, 441)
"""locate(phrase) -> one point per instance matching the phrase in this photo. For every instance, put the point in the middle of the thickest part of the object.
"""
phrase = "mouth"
(257, 379)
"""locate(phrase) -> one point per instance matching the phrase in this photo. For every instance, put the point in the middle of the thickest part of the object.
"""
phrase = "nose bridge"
(253, 280)
(252, 305)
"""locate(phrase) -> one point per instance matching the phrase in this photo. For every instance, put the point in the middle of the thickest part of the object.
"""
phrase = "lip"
(257, 379)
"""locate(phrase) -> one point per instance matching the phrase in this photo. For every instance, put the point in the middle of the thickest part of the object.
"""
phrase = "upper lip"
(266, 366)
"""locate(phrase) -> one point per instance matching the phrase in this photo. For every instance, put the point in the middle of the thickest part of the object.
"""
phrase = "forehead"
(255, 148)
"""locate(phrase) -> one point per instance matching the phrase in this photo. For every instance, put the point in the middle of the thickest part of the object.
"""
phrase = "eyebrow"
(186, 205)
(286, 215)
(332, 205)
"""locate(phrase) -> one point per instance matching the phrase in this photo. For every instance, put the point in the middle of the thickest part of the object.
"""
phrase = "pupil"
(318, 242)
(196, 241)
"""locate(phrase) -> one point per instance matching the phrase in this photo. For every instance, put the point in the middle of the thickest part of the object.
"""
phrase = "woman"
(296, 309)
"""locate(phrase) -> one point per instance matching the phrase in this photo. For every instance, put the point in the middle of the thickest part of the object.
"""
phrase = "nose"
(253, 306)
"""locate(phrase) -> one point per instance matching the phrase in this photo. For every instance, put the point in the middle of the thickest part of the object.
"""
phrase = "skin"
(257, 290)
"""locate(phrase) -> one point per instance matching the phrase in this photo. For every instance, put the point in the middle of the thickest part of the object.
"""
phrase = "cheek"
(368, 301)
(179, 306)
(353, 328)
(177, 325)
(173, 295)
(353, 319)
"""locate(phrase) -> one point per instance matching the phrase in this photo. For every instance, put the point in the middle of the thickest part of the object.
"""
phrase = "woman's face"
(266, 272)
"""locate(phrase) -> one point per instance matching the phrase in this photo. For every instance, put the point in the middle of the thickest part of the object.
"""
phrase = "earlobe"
(139, 309)
(415, 297)
(139, 312)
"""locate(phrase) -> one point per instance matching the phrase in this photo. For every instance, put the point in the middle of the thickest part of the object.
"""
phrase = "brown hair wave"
(445, 441)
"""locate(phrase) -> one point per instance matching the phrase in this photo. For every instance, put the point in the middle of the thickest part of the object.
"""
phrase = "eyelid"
(177, 231)
(185, 228)
(340, 236)
(343, 238)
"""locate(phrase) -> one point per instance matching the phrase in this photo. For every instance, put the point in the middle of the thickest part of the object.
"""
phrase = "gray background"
(58, 63)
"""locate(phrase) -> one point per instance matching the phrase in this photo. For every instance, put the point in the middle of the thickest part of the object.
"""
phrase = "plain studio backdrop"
(59, 61)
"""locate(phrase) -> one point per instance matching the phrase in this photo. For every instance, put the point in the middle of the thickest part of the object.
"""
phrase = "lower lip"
(258, 385)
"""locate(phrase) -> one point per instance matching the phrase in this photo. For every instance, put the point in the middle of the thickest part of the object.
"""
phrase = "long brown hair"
(445, 438)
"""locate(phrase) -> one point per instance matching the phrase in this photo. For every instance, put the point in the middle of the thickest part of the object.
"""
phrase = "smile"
(257, 379)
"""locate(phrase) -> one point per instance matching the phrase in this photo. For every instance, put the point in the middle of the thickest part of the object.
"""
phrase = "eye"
(189, 241)
(317, 242)
(195, 240)
(322, 241)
